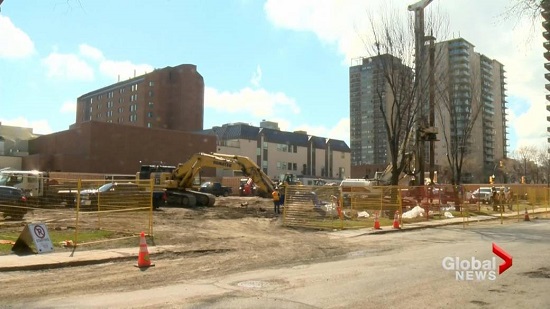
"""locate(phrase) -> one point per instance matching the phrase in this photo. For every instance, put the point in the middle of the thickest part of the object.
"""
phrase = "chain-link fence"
(95, 213)
(329, 207)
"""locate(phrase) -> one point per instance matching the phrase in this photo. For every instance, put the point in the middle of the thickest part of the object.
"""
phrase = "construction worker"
(276, 201)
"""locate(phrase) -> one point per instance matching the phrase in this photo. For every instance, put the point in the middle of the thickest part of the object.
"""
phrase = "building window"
(133, 107)
(120, 110)
(150, 115)
(133, 118)
(151, 83)
(150, 93)
(110, 95)
(109, 104)
(149, 125)
(151, 104)
(109, 113)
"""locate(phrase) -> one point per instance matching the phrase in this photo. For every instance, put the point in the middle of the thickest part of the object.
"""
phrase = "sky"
(285, 61)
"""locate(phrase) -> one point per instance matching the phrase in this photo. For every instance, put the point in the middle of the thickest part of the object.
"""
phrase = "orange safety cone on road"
(526, 216)
(396, 220)
(376, 222)
(143, 257)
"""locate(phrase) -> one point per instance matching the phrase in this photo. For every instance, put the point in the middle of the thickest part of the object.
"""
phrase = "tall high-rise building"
(170, 98)
(545, 11)
(470, 91)
(471, 94)
(368, 92)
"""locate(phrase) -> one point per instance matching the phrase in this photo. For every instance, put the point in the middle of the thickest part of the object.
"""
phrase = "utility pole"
(418, 9)
(431, 38)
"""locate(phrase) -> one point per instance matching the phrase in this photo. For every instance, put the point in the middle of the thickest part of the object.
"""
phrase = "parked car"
(108, 194)
(215, 188)
(454, 194)
(481, 195)
(13, 202)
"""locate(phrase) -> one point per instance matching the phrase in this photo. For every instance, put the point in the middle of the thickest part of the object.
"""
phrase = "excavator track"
(180, 198)
(190, 198)
(203, 199)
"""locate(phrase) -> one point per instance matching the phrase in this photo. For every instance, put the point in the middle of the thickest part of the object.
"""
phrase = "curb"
(412, 227)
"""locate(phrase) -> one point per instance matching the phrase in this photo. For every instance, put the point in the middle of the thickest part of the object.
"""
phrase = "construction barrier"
(378, 207)
(92, 213)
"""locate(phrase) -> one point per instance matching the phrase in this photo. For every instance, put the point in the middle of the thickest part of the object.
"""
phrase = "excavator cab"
(289, 179)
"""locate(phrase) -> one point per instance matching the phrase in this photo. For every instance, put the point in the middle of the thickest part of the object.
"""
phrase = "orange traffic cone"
(526, 216)
(143, 257)
(396, 220)
(376, 222)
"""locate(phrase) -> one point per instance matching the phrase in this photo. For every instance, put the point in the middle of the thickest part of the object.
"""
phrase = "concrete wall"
(14, 163)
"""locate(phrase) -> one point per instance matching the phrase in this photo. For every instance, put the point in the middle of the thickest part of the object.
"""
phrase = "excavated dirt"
(237, 234)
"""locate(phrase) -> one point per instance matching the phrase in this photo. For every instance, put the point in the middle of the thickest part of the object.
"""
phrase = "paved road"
(401, 269)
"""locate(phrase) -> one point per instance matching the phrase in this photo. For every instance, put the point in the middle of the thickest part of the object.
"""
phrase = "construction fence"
(334, 207)
(94, 213)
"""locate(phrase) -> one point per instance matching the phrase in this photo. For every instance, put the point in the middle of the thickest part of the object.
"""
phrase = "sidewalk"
(436, 223)
(58, 259)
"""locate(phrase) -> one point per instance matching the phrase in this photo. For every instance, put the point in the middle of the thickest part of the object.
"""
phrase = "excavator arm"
(185, 173)
(252, 170)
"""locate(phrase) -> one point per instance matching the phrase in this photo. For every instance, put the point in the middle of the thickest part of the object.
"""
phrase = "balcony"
(547, 56)
(546, 35)
(546, 25)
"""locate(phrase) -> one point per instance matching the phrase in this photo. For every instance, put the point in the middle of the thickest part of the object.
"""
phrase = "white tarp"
(363, 214)
(416, 212)
(448, 215)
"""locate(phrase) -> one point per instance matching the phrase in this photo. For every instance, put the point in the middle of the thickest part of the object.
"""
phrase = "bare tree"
(392, 44)
(543, 161)
(526, 156)
(524, 9)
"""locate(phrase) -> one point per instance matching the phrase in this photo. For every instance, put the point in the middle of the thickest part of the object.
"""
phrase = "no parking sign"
(34, 238)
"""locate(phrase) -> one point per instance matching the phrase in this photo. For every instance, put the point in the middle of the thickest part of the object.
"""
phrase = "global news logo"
(473, 269)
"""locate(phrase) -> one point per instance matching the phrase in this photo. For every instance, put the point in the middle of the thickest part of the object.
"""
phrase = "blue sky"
(279, 60)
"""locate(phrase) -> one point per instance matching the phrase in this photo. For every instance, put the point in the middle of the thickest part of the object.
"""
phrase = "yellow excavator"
(177, 182)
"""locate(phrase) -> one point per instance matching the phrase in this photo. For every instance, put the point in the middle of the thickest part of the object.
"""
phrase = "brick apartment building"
(150, 118)
(170, 98)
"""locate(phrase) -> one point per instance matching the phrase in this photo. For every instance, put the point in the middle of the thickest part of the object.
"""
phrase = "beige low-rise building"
(278, 152)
